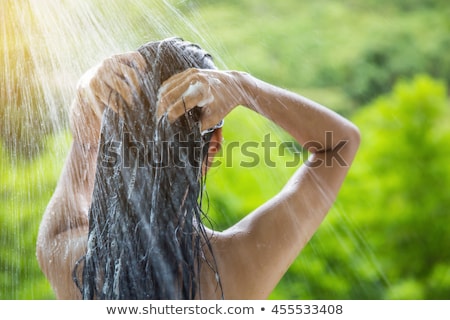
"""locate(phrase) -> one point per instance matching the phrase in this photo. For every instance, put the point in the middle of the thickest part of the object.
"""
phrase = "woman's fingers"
(171, 92)
(115, 82)
(175, 104)
(190, 89)
(122, 75)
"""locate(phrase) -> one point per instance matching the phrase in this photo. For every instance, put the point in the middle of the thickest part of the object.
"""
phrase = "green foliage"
(25, 189)
(363, 47)
(397, 190)
(389, 59)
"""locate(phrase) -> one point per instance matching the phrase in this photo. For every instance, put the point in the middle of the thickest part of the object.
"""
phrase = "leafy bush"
(397, 190)
(25, 189)
(394, 57)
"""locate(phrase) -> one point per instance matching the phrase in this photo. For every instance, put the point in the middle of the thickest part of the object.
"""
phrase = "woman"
(125, 220)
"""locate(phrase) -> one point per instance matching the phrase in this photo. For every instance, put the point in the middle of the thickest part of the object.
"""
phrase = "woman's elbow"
(354, 135)
(350, 144)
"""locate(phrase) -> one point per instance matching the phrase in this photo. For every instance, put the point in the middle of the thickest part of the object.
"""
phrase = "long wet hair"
(146, 237)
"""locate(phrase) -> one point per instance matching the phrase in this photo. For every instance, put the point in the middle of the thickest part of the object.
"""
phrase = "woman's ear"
(215, 144)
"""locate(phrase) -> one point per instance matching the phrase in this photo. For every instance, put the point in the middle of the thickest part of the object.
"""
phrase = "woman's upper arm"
(63, 230)
(259, 249)
(58, 254)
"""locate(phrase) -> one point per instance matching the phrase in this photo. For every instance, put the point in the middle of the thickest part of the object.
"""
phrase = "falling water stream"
(45, 47)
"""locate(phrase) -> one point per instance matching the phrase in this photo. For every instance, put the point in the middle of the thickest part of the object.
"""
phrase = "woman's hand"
(114, 83)
(216, 92)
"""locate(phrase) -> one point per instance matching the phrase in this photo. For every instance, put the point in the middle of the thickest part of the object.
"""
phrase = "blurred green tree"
(403, 176)
(25, 189)
(390, 59)
(388, 236)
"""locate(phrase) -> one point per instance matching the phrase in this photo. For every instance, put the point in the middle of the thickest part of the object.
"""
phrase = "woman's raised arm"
(254, 254)
(63, 230)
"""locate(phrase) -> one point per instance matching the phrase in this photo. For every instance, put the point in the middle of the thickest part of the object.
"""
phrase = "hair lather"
(146, 237)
